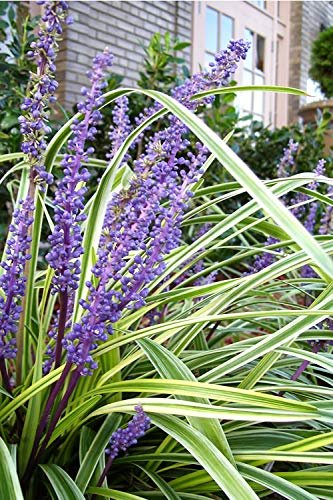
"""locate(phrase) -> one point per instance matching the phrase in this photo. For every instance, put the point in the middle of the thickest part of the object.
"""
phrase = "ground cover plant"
(134, 364)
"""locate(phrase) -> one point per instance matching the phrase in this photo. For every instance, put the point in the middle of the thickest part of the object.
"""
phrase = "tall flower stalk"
(41, 89)
(66, 239)
(122, 439)
(121, 126)
(12, 282)
(34, 127)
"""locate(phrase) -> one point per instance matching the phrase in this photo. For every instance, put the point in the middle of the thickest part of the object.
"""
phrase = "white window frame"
(267, 24)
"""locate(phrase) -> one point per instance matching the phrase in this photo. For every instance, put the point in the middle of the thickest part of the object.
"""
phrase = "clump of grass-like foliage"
(148, 354)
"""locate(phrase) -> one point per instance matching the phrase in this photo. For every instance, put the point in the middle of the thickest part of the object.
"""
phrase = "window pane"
(249, 36)
(260, 53)
(258, 102)
(227, 31)
(245, 98)
(211, 30)
(247, 78)
(260, 3)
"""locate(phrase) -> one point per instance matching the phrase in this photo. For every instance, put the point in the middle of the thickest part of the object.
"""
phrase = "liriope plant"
(148, 355)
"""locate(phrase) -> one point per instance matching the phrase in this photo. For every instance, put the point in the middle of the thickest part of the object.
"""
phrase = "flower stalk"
(34, 127)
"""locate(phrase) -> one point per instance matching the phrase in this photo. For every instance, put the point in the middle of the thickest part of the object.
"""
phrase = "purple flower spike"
(42, 87)
(121, 127)
(264, 259)
(122, 439)
(320, 168)
(326, 221)
(138, 222)
(311, 217)
(66, 239)
(287, 161)
(219, 75)
(12, 281)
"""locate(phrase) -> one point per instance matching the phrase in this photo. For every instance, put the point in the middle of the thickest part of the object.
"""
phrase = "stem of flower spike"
(316, 348)
(44, 418)
(62, 405)
(61, 327)
(21, 338)
(104, 474)
(5, 377)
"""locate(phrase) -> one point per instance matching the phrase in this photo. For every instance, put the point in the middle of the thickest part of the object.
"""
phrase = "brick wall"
(307, 19)
(122, 26)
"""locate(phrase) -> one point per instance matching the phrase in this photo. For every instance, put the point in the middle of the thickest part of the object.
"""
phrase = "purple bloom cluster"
(42, 87)
(287, 160)
(12, 281)
(139, 221)
(218, 75)
(122, 439)
(300, 211)
(121, 126)
(311, 217)
(264, 259)
(33, 125)
(326, 221)
(140, 227)
(66, 239)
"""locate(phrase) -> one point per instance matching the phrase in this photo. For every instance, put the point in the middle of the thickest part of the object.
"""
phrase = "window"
(212, 29)
(313, 89)
(253, 74)
(226, 31)
(260, 3)
(219, 31)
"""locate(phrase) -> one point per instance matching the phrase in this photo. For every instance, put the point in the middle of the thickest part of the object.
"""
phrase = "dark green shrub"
(261, 147)
(322, 61)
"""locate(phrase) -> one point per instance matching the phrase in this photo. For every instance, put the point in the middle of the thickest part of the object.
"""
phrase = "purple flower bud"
(122, 439)
(43, 86)
(288, 159)
(121, 126)
(12, 280)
